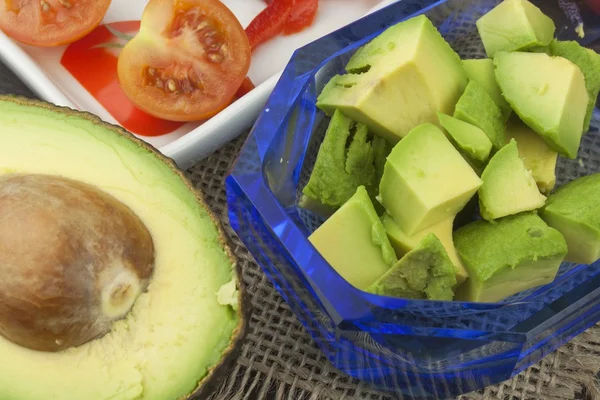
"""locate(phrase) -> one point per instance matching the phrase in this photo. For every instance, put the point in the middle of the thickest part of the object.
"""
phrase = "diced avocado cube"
(402, 243)
(507, 256)
(508, 187)
(588, 62)
(574, 210)
(548, 94)
(468, 139)
(354, 242)
(425, 272)
(514, 25)
(482, 71)
(537, 156)
(476, 107)
(425, 180)
(398, 80)
(339, 169)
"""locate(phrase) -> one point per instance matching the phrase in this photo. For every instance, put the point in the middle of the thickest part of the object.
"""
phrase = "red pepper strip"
(269, 23)
(246, 87)
(302, 16)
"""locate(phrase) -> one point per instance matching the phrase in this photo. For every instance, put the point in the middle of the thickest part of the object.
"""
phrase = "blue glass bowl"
(419, 348)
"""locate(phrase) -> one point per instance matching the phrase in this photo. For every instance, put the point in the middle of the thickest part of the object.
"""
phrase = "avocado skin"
(219, 372)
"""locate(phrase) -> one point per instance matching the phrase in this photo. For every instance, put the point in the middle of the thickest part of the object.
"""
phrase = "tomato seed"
(45, 6)
(172, 82)
(215, 57)
(66, 3)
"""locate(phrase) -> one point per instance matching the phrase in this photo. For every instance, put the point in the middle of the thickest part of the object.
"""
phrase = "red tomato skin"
(246, 87)
(302, 16)
(161, 48)
(95, 69)
(24, 21)
(269, 23)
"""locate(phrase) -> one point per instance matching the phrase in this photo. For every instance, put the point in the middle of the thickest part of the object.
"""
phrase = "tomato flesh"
(281, 16)
(187, 61)
(246, 87)
(48, 23)
(269, 23)
(302, 16)
(95, 68)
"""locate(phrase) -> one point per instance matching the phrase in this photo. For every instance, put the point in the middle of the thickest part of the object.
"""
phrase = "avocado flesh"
(354, 243)
(339, 170)
(476, 107)
(468, 139)
(548, 94)
(178, 330)
(398, 80)
(425, 180)
(507, 256)
(514, 25)
(425, 272)
(574, 210)
(588, 62)
(482, 71)
(537, 156)
(508, 187)
(402, 243)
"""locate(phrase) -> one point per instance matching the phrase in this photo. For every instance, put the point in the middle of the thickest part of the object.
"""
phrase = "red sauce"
(95, 68)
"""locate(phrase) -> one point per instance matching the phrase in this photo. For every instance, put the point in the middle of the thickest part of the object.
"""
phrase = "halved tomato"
(187, 61)
(48, 23)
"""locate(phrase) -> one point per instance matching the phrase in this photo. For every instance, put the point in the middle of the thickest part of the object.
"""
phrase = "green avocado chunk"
(381, 149)
(339, 169)
(514, 25)
(482, 71)
(402, 243)
(425, 180)
(507, 256)
(508, 187)
(398, 80)
(354, 242)
(548, 94)
(425, 272)
(476, 107)
(588, 62)
(574, 210)
(468, 139)
(537, 156)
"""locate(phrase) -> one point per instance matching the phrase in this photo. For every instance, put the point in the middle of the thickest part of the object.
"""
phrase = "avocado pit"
(73, 260)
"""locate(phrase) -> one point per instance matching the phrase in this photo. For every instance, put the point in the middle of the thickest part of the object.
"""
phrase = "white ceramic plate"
(42, 71)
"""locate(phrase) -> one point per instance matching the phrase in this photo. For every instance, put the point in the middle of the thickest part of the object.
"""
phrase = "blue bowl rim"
(276, 113)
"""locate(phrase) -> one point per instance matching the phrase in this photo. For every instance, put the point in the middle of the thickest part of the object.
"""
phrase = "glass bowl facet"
(418, 348)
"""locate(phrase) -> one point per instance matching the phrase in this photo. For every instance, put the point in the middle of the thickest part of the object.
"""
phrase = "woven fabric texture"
(280, 361)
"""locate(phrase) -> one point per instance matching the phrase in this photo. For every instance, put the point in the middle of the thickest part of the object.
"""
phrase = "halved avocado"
(117, 279)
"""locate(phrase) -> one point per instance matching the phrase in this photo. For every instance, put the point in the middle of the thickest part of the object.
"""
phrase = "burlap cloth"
(280, 361)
